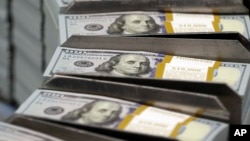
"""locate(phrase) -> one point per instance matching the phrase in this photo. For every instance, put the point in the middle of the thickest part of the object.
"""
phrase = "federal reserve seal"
(54, 110)
(93, 27)
(83, 63)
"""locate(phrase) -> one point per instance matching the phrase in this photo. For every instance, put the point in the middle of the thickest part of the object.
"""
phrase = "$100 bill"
(102, 62)
(105, 112)
(137, 22)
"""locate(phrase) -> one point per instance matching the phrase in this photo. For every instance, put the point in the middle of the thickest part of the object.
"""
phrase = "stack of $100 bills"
(119, 115)
(143, 64)
(149, 23)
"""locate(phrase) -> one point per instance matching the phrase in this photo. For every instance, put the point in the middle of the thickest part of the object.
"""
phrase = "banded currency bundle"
(137, 22)
(116, 114)
(10, 132)
(102, 62)
(148, 65)
(236, 75)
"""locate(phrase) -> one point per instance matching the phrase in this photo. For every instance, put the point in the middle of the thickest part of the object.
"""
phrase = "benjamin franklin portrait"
(98, 113)
(133, 65)
(134, 24)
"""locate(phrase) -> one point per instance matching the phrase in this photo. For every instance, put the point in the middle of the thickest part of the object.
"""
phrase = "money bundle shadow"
(77, 133)
(191, 6)
(207, 100)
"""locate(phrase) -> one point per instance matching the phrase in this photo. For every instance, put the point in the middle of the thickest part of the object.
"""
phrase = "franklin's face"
(132, 64)
(103, 111)
(138, 24)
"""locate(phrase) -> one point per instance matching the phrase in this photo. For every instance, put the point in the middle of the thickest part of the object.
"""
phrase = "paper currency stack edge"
(113, 70)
